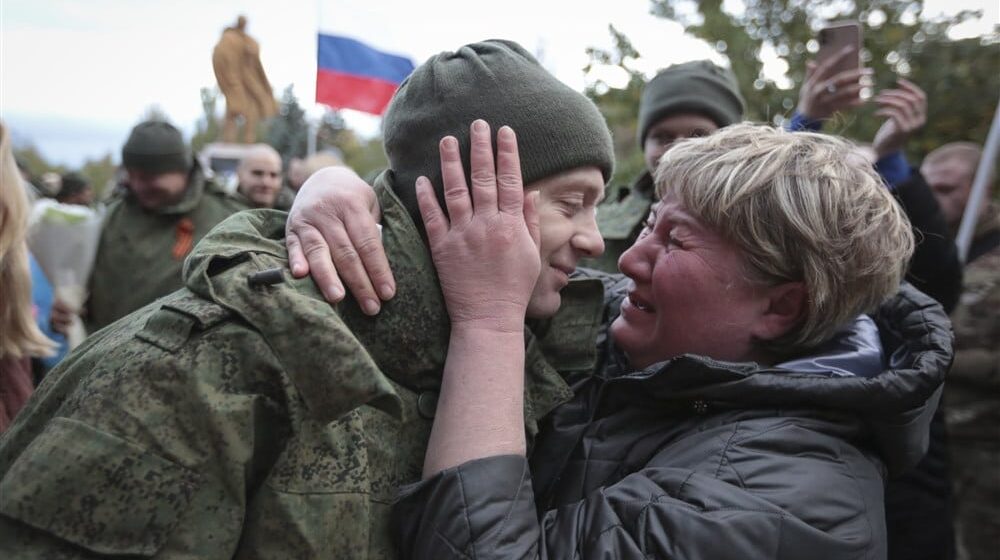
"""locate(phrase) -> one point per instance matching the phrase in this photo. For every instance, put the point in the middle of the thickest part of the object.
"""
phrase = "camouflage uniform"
(242, 419)
(620, 219)
(141, 252)
(973, 405)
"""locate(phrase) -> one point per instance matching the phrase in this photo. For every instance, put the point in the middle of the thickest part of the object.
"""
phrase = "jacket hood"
(895, 405)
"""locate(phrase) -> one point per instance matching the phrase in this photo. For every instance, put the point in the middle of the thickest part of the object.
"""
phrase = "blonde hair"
(19, 335)
(968, 152)
(802, 208)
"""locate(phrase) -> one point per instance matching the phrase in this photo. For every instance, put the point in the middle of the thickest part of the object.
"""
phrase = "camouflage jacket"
(141, 252)
(240, 418)
(973, 395)
(620, 219)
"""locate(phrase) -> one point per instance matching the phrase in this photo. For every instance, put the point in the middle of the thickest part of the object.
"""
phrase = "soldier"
(259, 174)
(166, 208)
(243, 416)
(241, 77)
(683, 101)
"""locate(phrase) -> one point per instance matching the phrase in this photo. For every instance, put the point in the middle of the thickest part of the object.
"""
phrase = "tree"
(206, 130)
(289, 131)
(960, 77)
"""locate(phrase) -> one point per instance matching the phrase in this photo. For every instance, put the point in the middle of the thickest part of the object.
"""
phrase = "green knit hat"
(156, 147)
(692, 87)
(557, 128)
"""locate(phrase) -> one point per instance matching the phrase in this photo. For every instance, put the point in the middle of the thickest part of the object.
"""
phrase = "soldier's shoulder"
(619, 217)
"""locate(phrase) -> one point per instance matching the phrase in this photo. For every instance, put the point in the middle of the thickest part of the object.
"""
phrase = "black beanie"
(156, 147)
(692, 87)
(557, 128)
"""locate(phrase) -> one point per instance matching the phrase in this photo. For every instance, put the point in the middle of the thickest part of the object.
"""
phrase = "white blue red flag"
(355, 74)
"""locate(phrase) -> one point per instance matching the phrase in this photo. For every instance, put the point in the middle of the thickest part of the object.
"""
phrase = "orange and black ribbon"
(185, 238)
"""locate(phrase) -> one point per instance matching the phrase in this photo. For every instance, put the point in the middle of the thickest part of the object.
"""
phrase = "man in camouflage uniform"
(972, 410)
(167, 206)
(242, 416)
(259, 175)
(683, 101)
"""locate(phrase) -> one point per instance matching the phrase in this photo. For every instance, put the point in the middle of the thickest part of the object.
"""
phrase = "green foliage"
(289, 132)
(207, 128)
(961, 77)
(620, 106)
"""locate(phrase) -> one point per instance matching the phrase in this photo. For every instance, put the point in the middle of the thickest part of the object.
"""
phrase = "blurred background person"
(167, 207)
(918, 504)
(20, 337)
(75, 189)
(259, 176)
(683, 101)
(950, 171)
(972, 400)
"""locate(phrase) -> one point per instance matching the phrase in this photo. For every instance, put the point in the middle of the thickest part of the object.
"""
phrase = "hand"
(486, 254)
(332, 233)
(62, 316)
(906, 111)
(824, 93)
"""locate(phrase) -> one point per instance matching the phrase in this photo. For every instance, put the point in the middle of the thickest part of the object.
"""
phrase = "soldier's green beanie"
(557, 128)
(692, 87)
(156, 147)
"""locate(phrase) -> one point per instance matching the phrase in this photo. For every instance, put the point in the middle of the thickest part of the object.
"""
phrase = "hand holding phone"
(833, 81)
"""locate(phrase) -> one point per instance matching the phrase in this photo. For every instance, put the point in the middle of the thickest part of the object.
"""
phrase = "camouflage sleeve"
(977, 325)
(147, 444)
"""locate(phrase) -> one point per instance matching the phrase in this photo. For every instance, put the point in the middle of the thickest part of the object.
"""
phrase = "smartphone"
(834, 38)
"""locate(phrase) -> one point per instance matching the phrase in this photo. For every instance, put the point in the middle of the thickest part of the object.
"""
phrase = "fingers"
(352, 246)
(913, 89)
(456, 193)
(824, 70)
(509, 182)
(317, 254)
(484, 180)
(435, 223)
(531, 218)
(367, 238)
(296, 260)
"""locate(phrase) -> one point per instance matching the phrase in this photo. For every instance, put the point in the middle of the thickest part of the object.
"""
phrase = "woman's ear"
(786, 305)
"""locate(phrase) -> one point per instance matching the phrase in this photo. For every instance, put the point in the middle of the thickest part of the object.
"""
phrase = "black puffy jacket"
(699, 459)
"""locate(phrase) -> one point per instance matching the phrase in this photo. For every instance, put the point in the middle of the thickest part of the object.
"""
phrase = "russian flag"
(353, 75)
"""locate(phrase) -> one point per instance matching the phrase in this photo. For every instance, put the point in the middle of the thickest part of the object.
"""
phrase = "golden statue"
(236, 60)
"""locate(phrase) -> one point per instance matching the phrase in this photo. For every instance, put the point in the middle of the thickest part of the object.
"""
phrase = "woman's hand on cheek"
(486, 248)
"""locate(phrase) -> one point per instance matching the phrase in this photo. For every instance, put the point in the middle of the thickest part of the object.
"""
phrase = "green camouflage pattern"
(236, 421)
(135, 261)
(972, 409)
(620, 219)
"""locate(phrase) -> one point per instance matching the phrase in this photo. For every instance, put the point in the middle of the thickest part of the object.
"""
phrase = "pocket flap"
(96, 490)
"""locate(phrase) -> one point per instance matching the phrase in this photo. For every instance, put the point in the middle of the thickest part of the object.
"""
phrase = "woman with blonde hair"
(20, 337)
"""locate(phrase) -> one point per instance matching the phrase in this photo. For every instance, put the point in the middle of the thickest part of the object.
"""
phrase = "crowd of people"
(767, 345)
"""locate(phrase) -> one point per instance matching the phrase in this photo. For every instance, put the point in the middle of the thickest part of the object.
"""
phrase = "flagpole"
(978, 195)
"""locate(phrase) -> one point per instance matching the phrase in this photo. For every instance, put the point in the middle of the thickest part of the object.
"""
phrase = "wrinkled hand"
(486, 254)
(62, 316)
(332, 233)
(906, 111)
(824, 93)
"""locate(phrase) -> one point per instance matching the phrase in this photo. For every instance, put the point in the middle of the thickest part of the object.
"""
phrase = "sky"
(76, 76)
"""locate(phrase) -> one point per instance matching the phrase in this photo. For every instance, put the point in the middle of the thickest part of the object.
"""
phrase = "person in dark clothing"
(918, 504)
(757, 385)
